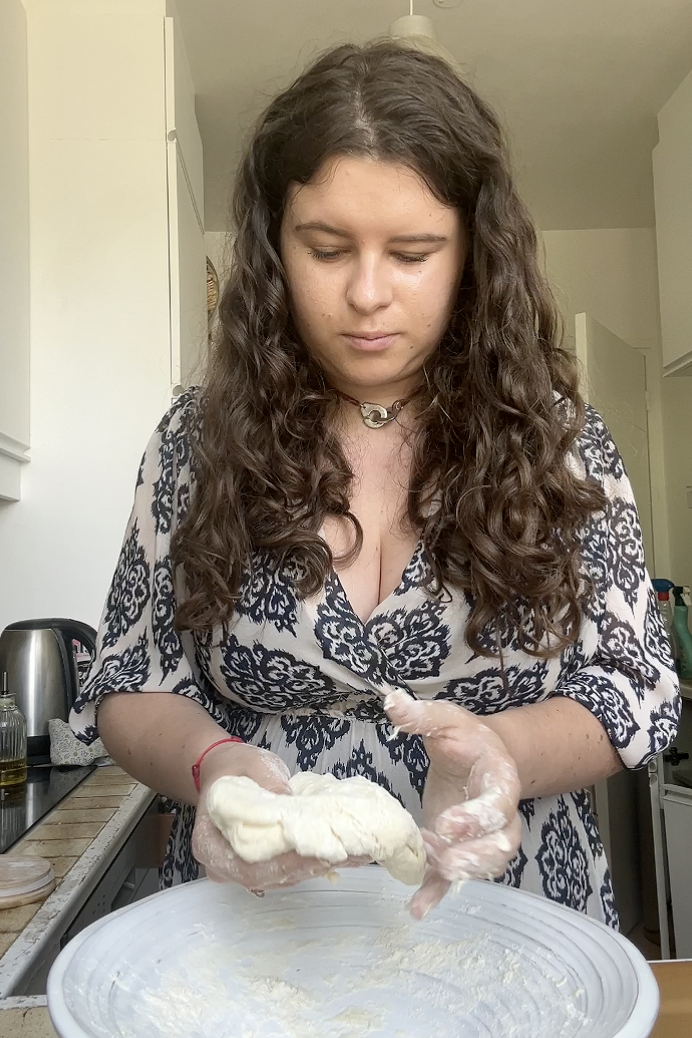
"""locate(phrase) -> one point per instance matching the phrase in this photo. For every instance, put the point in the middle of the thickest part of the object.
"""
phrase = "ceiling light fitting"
(418, 32)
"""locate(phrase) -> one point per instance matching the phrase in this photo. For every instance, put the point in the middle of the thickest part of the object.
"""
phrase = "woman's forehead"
(349, 189)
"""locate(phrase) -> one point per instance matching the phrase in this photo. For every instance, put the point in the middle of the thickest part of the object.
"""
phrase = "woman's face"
(373, 262)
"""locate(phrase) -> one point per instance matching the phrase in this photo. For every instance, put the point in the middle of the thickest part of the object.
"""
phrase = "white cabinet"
(14, 249)
(187, 251)
(672, 163)
(105, 288)
(676, 774)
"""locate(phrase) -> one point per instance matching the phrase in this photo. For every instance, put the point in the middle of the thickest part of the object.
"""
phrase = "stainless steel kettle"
(42, 673)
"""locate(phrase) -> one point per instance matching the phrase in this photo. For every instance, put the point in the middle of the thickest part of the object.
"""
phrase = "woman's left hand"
(472, 826)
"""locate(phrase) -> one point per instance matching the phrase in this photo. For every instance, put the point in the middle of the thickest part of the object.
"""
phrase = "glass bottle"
(12, 740)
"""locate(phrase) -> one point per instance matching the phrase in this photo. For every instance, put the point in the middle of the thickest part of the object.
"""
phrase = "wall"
(218, 246)
(612, 275)
(672, 164)
(14, 238)
(672, 168)
(100, 336)
(677, 410)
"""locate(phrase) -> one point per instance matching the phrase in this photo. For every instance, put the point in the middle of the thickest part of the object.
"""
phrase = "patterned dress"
(301, 677)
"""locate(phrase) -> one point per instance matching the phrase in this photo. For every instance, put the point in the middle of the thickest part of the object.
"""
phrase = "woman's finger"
(284, 870)
(484, 858)
(473, 819)
(222, 865)
(429, 894)
(431, 718)
(433, 843)
(210, 848)
(489, 810)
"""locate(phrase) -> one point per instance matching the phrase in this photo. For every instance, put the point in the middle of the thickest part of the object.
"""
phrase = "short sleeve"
(628, 680)
(137, 646)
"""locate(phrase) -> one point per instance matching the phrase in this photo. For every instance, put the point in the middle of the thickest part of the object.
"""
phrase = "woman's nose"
(369, 286)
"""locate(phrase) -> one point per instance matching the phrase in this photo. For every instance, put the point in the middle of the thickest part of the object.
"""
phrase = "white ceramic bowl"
(345, 960)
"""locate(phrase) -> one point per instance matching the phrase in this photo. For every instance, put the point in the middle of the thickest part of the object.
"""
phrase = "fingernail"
(418, 911)
(392, 698)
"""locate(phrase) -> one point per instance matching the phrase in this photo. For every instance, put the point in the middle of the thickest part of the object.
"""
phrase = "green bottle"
(683, 600)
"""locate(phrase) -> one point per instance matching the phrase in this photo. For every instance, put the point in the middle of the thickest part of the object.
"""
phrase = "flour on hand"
(327, 818)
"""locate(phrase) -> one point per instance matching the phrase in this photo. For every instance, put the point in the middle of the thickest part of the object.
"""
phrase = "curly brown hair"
(500, 513)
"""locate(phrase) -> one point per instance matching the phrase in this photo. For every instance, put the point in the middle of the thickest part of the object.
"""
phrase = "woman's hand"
(210, 847)
(471, 796)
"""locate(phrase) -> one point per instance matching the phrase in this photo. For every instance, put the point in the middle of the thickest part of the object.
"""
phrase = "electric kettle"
(42, 673)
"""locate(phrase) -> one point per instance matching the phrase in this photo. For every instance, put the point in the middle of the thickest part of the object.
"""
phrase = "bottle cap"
(5, 694)
(662, 588)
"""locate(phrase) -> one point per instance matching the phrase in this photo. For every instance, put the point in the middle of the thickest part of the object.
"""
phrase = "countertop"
(675, 984)
(80, 838)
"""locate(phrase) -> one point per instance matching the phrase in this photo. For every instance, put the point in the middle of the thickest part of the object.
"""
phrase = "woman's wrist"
(504, 725)
(223, 759)
(197, 766)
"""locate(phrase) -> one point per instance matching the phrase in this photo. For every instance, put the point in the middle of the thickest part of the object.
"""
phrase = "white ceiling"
(577, 82)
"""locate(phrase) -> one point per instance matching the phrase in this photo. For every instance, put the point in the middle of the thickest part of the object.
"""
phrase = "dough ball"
(327, 818)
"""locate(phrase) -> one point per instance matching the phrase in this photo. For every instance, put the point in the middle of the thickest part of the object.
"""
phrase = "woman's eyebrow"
(421, 239)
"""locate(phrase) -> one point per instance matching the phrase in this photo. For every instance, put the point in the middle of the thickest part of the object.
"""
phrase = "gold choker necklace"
(377, 415)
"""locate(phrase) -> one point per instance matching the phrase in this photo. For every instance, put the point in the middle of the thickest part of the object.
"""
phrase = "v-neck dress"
(303, 677)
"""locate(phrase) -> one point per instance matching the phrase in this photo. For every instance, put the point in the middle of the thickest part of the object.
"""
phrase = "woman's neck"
(383, 395)
(351, 419)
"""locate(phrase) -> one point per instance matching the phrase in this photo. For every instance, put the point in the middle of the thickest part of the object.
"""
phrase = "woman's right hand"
(210, 847)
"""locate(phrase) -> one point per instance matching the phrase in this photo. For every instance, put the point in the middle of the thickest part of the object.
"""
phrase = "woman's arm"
(557, 746)
(157, 737)
(618, 707)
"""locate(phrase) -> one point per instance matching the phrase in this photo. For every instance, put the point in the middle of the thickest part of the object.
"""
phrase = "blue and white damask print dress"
(300, 677)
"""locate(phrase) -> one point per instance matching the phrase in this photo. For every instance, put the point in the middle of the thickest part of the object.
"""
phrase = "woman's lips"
(371, 345)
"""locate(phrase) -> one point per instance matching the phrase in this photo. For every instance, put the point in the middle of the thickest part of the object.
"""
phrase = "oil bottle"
(12, 740)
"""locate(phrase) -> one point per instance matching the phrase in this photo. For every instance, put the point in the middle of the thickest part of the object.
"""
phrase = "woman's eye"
(334, 254)
(323, 255)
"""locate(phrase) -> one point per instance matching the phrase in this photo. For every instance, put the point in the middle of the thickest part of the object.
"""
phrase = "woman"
(388, 481)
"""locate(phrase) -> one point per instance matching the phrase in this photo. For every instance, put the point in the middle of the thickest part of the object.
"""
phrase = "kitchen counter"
(26, 1018)
(80, 837)
(675, 984)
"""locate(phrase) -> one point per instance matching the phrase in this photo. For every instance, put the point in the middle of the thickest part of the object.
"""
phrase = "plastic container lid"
(21, 877)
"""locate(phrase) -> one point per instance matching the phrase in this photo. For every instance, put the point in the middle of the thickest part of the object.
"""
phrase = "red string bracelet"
(198, 763)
